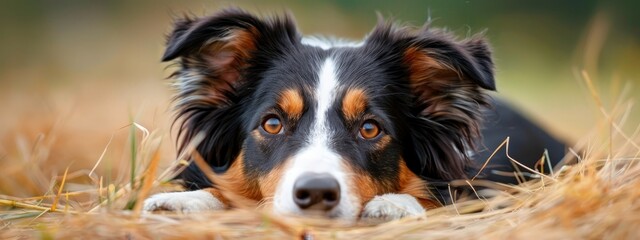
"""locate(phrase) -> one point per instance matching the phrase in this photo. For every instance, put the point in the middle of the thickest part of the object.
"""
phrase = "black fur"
(220, 122)
(435, 142)
(431, 124)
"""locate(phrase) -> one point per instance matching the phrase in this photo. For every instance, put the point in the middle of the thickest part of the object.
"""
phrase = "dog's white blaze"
(328, 43)
(318, 156)
(325, 91)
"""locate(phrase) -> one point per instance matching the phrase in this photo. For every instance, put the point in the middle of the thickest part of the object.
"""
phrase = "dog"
(348, 130)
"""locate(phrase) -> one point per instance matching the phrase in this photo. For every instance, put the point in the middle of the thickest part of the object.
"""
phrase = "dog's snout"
(319, 191)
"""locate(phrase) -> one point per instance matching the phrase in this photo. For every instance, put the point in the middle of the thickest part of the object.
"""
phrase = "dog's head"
(324, 125)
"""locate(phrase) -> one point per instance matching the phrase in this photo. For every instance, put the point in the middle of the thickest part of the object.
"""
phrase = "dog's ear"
(446, 75)
(215, 54)
(448, 80)
(214, 51)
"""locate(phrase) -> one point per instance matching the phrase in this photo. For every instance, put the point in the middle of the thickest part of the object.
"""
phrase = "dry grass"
(595, 198)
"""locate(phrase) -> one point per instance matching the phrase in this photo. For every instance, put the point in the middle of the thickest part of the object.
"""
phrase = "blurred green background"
(95, 63)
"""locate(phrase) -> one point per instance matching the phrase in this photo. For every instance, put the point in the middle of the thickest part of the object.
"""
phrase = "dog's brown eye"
(369, 129)
(272, 125)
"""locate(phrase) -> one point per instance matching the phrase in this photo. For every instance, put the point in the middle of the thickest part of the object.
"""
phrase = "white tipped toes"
(392, 206)
(185, 202)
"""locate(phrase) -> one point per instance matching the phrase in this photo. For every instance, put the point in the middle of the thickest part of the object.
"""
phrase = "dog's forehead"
(339, 74)
(325, 74)
(356, 65)
(329, 43)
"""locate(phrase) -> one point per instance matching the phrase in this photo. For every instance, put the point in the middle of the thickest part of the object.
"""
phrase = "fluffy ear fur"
(447, 79)
(214, 53)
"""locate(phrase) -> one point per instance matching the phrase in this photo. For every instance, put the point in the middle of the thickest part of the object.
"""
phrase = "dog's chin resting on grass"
(369, 129)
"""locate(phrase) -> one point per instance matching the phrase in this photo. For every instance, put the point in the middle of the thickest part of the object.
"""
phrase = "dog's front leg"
(393, 206)
(186, 202)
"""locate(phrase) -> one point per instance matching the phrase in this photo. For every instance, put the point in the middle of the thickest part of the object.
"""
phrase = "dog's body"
(343, 129)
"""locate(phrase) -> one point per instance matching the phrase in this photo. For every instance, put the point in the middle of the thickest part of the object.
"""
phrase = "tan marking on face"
(410, 183)
(257, 135)
(292, 103)
(383, 143)
(365, 187)
(361, 184)
(269, 183)
(235, 181)
(354, 103)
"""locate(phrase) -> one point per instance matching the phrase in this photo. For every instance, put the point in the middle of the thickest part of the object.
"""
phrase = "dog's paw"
(392, 206)
(185, 202)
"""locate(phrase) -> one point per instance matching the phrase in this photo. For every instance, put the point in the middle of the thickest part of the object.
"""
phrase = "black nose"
(318, 191)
